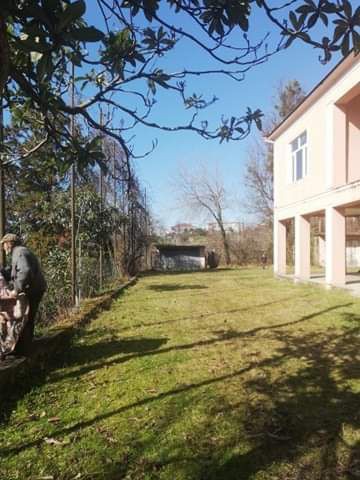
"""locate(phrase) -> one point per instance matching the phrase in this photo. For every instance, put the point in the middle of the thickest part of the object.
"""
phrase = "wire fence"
(112, 226)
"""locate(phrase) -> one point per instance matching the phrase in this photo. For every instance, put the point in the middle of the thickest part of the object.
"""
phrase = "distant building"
(230, 227)
(182, 228)
(178, 257)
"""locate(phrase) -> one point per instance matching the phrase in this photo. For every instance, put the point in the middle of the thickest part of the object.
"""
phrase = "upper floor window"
(299, 157)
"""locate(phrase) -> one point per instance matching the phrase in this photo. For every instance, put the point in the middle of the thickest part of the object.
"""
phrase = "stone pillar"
(302, 247)
(335, 237)
(279, 247)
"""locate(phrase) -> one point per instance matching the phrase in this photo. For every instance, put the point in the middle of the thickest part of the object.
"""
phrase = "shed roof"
(169, 246)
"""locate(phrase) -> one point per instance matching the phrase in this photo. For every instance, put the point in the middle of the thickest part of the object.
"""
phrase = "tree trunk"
(2, 184)
(4, 55)
(4, 75)
(226, 245)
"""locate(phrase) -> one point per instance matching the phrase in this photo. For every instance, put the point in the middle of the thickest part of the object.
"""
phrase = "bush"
(56, 267)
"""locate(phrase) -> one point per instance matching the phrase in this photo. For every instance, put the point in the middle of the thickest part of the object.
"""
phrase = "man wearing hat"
(27, 277)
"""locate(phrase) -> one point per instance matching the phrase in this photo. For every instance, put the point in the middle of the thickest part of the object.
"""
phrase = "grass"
(229, 374)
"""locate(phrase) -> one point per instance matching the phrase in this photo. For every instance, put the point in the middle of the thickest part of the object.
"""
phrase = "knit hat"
(10, 237)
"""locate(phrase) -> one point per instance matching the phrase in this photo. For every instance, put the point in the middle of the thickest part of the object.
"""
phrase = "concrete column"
(279, 247)
(322, 250)
(302, 247)
(335, 261)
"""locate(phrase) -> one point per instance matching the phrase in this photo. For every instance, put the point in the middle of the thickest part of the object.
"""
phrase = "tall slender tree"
(259, 167)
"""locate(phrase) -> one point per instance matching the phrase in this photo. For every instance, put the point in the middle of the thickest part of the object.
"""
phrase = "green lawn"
(228, 374)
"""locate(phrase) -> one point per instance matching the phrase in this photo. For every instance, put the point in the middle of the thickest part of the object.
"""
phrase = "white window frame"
(299, 147)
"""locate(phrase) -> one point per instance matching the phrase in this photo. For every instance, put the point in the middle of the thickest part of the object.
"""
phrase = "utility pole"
(101, 187)
(73, 200)
(2, 183)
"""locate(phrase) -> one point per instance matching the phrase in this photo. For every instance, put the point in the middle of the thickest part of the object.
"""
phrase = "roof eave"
(324, 85)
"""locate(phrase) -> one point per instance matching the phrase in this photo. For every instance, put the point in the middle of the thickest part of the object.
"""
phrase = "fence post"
(74, 299)
(101, 188)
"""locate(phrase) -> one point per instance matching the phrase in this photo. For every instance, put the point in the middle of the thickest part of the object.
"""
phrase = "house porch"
(322, 246)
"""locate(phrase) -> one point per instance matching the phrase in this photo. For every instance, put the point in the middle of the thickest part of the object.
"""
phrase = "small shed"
(179, 257)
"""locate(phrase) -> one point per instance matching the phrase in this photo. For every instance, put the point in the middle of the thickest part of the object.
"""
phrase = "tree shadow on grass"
(37, 374)
(77, 354)
(299, 406)
(100, 354)
(176, 286)
(146, 401)
(304, 425)
(220, 336)
(155, 273)
(305, 416)
(200, 317)
(84, 353)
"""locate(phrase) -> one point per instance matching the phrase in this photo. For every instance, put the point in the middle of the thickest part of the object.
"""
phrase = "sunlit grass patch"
(229, 374)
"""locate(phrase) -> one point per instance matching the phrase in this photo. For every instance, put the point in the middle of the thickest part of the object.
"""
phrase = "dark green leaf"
(304, 36)
(289, 41)
(304, 9)
(87, 34)
(30, 45)
(356, 41)
(258, 123)
(339, 32)
(345, 45)
(36, 12)
(44, 67)
(324, 19)
(51, 5)
(347, 8)
(356, 17)
(138, 56)
(312, 20)
(76, 59)
(73, 11)
(244, 23)
(329, 7)
(152, 86)
(293, 20)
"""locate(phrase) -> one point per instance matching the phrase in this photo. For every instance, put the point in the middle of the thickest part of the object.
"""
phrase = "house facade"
(317, 171)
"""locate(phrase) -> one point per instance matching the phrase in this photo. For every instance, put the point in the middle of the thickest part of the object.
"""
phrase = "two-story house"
(317, 170)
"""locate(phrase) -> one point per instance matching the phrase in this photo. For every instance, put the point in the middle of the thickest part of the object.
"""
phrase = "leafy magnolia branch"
(119, 63)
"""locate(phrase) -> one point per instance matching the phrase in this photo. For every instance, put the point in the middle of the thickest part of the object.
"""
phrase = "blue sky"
(158, 169)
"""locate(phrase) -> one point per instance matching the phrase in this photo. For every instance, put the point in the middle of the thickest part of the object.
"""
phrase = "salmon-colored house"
(317, 170)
